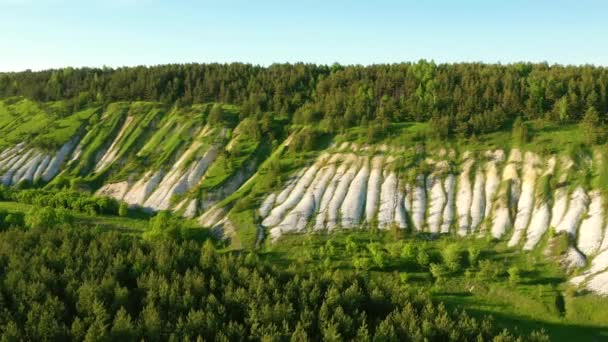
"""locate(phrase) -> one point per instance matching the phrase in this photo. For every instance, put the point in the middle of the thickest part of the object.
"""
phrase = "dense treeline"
(78, 284)
(457, 98)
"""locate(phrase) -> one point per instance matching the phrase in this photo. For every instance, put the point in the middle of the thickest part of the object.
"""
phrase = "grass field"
(539, 299)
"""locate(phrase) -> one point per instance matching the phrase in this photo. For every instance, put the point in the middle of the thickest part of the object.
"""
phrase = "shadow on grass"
(523, 325)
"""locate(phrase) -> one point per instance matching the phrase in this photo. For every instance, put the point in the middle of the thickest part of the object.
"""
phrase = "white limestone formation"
(44, 163)
(478, 201)
(321, 217)
(354, 202)
(575, 212)
(437, 202)
(7, 178)
(53, 168)
(141, 190)
(400, 213)
(388, 200)
(525, 205)
(492, 183)
(539, 223)
(373, 188)
(591, 232)
(277, 213)
(598, 264)
(267, 205)
(449, 184)
(333, 208)
(464, 198)
(418, 203)
(110, 155)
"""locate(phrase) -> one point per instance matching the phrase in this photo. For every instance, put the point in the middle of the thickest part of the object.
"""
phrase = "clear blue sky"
(39, 34)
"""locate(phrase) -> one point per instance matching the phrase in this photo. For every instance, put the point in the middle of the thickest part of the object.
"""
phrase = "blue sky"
(40, 34)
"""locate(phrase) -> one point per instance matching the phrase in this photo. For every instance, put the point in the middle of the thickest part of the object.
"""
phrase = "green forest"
(462, 99)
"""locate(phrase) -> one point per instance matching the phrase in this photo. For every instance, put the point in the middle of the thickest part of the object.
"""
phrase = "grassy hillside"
(212, 158)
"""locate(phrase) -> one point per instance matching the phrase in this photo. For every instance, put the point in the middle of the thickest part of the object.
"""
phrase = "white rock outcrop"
(449, 184)
(373, 189)
(464, 198)
(478, 201)
(418, 203)
(333, 208)
(142, 189)
(591, 232)
(436, 203)
(55, 164)
(110, 155)
(525, 205)
(576, 210)
(354, 202)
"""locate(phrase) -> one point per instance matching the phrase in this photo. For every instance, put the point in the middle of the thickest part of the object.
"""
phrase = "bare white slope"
(599, 284)
(598, 264)
(291, 183)
(464, 198)
(297, 219)
(407, 198)
(188, 179)
(321, 217)
(576, 210)
(560, 196)
(333, 209)
(55, 163)
(525, 204)
(352, 207)
(320, 186)
(400, 213)
(12, 160)
(492, 182)
(190, 211)
(140, 191)
(436, 202)
(9, 152)
(418, 203)
(110, 154)
(114, 190)
(388, 200)
(449, 184)
(539, 223)
(26, 172)
(478, 201)
(373, 188)
(573, 259)
(590, 233)
(156, 199)
(560, 204)
(267, 205)
(44, 163)
(8, 175)
(277, 213)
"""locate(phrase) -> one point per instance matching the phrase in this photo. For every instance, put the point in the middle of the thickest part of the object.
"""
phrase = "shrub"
(452, 257)
(514, 275)
(123, 209)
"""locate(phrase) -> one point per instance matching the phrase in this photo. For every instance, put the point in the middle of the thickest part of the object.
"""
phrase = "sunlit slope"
(204, 161)
(147, 154)
(528, 199)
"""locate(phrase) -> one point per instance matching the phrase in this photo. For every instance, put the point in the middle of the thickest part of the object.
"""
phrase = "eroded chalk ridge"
(518, 199)
(22, 163)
